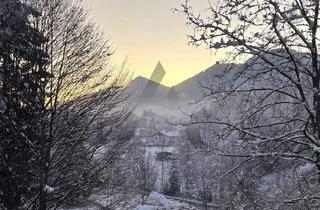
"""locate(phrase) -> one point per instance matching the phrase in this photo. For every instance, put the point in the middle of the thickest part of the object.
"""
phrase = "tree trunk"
(317, 155)
(42, 195)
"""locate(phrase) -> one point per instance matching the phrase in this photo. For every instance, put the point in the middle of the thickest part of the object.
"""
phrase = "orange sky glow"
(147, 31)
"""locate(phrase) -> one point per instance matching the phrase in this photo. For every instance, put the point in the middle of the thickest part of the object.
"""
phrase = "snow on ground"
(166, 203)
(146, 207)
(154, 201)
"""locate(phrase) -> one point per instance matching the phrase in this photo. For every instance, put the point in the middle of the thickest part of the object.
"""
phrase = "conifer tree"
(22, 84)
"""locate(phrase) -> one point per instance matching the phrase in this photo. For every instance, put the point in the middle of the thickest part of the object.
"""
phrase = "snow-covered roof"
(175, 133)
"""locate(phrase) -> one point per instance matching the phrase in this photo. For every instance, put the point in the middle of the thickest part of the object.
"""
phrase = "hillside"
(189, 90)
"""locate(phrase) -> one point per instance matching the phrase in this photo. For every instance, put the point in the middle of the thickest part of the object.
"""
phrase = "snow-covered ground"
(154, 201)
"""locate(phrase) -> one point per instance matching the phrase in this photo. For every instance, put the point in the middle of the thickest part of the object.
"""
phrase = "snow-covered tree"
(82, 93)
(274, 97)
(22, 89)
(55, 89)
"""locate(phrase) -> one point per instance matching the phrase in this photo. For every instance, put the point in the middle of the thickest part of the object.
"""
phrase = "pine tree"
(22, 93)
(173, 186)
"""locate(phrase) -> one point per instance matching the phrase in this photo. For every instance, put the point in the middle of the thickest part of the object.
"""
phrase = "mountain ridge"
(189, 89)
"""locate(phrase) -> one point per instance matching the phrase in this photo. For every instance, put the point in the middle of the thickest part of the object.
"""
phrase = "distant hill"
(195, 87)
(137, 86)
(189, 90)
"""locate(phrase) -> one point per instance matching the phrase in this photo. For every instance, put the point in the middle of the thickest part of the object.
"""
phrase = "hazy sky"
(147, 31)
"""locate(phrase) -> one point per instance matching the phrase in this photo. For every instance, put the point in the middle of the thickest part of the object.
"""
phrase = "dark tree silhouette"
(22, 91)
